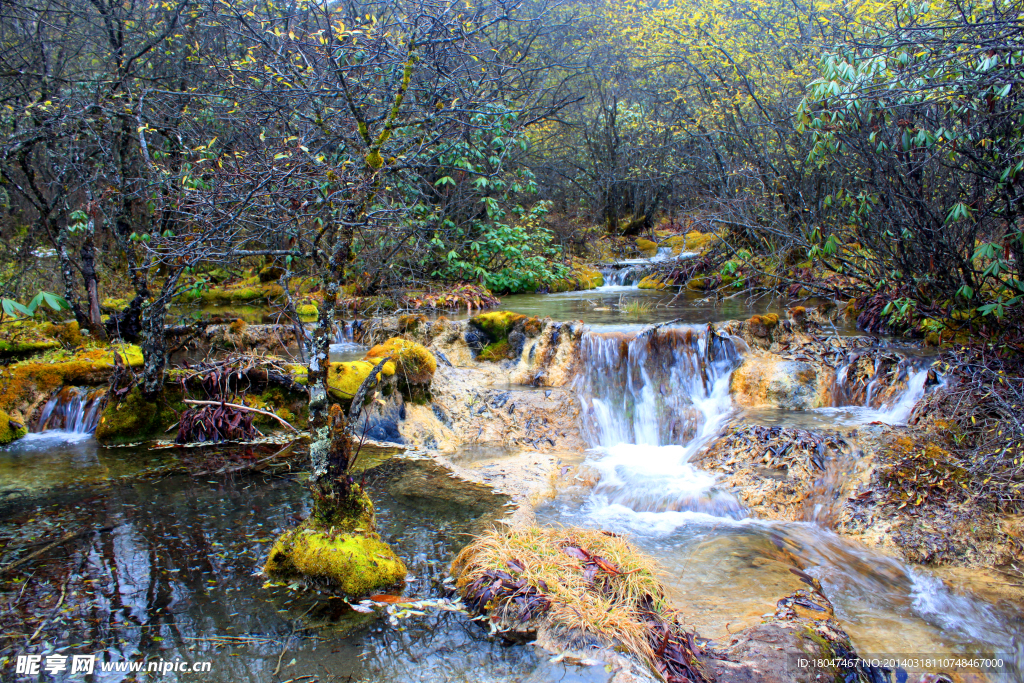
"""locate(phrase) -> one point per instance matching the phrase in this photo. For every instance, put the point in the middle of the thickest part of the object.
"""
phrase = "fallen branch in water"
(238, 406)
(70, 536)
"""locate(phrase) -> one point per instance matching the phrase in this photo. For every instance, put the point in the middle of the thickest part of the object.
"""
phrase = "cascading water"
(626, 274)
(892, 405)
(344, 346)
(651, 400)
(71, 410)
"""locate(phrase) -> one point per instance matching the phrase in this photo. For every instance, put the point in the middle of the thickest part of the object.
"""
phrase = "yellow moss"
(10, 430)
(357, 564)
(698, 241)
(647, 247)
(697, 284)
(677, 243)
(413, 363)
(238, 326)
(111, 305)
(497, 324)
(651, 282)
(343, 379)
(797, 312)
(21, 381)
(580, 277)
(308, 311)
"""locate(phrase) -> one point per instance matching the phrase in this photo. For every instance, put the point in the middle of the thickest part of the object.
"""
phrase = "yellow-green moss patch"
(308, 312)
(580, 277)
(497, 324)
(10, 430)
(343, 379)
(647, 247)
(355, 563)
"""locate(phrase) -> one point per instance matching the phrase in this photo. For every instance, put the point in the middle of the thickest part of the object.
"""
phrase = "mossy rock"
(677, 243)
(497, 324)
(343, 550)
(647, 247)
(10, 430)
(133, 418)
(308, 312)
(411, 362)
(411, 324)
(697, 284)
(651, 282)
(20, 382)
(762, 325)
(698, 241)
(495, 352)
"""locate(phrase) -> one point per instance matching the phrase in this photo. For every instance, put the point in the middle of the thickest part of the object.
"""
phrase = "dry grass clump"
(583, 582)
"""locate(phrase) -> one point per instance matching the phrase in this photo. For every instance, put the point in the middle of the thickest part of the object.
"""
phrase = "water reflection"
(172, 575)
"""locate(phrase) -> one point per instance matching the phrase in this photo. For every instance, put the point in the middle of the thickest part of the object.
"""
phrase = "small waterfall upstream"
(651, 401)
(626, 274)
(74, 411)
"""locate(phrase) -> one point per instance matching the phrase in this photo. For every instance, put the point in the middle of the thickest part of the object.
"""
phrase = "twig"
(63, 593)
(241, 407)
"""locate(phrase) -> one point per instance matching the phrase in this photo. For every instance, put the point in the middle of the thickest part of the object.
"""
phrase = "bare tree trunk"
(154, 339)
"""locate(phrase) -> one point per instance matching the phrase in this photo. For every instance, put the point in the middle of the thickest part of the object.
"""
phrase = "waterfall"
(73, 410)
(650, 400)
(874, 400)
(626, 274)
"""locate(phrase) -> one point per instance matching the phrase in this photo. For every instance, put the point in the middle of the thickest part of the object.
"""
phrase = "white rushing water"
(70, 414)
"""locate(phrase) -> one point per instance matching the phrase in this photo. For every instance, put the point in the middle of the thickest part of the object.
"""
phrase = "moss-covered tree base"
(349, 555)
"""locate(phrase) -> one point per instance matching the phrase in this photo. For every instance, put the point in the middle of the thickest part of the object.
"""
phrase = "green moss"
(356, 564)
(647, 247)
(135, 419)
(497, 324)
(412, 362)
(697, 284)
(20, 382)
(24, 348)
(237, 294)
(494, 352)
(10, 430)
(111, 305)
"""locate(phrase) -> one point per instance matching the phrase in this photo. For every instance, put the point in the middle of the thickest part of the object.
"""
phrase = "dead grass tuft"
(583, 581)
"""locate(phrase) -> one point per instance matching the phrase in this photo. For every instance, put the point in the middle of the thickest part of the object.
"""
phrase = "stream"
(175, 573)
